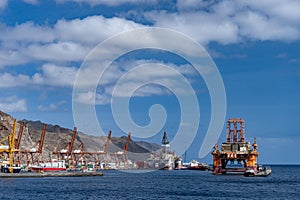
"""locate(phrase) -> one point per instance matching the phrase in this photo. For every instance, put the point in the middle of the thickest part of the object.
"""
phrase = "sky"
(254, 45)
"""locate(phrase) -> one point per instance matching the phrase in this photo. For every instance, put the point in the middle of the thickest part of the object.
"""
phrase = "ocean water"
(283, 183)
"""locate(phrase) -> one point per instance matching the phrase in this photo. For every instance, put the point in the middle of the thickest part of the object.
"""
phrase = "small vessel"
(261, 171)
(54, 165)
(5, 167)
(195, 165)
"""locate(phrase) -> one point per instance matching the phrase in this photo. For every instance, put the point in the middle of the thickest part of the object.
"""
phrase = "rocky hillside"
(57, 138)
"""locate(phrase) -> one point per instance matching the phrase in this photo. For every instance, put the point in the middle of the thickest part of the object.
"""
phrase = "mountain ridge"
(57, 138)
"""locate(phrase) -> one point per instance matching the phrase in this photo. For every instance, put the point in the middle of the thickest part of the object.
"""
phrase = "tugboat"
(261, 171)
(195, 165)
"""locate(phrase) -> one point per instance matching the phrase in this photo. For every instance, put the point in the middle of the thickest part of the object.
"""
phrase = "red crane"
(121, 156)
(40, 144)
(18, 142)
(41, 141)
(71, 144)
(68, 149)
(125, 149)
(107, 142)
(37, 151)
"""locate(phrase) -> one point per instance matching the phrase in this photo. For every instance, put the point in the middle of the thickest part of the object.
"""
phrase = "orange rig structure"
(236, 151)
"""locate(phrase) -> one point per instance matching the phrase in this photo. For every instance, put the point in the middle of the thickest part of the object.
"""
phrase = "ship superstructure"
(164, 158)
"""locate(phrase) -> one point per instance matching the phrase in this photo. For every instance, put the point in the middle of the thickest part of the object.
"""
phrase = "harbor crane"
(121, 156)
(125, 150)
(67, 152)
(10, 147)
(105, 151)
(18, 142)
(79, 151)
(36, 152)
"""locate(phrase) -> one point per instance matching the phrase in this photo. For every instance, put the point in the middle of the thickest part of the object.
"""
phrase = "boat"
(195, 165)
(54, 165)
(5, 167)
(261, 171)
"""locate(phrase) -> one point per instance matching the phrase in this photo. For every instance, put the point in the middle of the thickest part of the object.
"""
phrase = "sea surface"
(283, 183)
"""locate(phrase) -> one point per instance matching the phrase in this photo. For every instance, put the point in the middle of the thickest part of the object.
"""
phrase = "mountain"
(57, 138)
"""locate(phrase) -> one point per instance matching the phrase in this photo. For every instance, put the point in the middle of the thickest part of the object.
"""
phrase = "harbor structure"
(240, 154)
(163, 158)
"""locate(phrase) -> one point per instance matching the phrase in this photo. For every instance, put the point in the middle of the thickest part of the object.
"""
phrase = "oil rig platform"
(237, 155)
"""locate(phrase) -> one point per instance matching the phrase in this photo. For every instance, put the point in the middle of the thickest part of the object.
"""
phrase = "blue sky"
(254, 44)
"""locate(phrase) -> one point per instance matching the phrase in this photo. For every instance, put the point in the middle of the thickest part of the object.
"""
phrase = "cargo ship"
(55, 165)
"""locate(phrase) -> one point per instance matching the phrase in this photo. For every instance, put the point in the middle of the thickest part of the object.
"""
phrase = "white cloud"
(93, 29)
(63, 76)
(254, 25)
(8, 80)
(3, 4)
(145, 80)
(60, 52)
(66, 41)
(50, 75)
(200, 26)
(51, 107)
(233, 21)
(11, 57)
(55, 75)
(109, 2)
(287, 10)
(92, 98)
(27, 32)
(13, 104)
(225, 22)
(188, 5)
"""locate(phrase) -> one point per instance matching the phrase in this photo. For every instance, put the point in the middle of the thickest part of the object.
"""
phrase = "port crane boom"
(41, 141)
(71, 144)
(18, 141)
(125, 149)
(107, 142)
